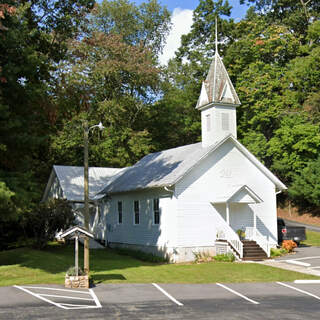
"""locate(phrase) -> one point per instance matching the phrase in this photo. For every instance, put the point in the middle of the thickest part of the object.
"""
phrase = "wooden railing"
(232, 238)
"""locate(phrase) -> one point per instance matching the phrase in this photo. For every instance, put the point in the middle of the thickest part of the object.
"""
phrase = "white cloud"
(181, 24)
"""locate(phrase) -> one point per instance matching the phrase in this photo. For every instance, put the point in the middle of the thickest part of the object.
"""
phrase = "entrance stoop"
(252, 251)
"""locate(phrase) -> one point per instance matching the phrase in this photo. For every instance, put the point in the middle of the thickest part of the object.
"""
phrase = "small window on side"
(119, 212)
(208, 121)
(136, 212)
(156, 211)
(225, 121)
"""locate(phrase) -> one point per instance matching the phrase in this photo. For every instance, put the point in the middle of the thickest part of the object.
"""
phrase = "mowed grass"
(313, 238)
(30, 266)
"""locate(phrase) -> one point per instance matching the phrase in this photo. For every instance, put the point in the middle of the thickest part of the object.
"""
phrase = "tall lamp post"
(86, 130)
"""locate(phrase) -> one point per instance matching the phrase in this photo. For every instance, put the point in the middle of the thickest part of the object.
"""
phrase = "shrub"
(277, 252)
(72, 272)
(241, 234)
(289, 245)
(49, 218)
(202, 257)
(225, 257)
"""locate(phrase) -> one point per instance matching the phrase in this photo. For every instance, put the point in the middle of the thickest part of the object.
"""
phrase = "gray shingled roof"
(157, 169)
(218, 86)
(167, 167)
(72, 182)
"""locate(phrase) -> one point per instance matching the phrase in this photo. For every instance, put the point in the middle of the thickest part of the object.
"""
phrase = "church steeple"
(217, 102)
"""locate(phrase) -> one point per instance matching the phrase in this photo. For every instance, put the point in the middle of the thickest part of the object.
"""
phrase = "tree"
(294, 144)
(147, 24)
(305, 189)
(33, 39)
(295, 14)
(49, 218)
(111, 76)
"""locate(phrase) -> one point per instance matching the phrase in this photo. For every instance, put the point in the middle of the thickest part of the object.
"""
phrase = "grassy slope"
(29, 266)
(313, 238)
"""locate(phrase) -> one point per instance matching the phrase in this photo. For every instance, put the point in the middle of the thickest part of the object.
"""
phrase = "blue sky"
(238, 10)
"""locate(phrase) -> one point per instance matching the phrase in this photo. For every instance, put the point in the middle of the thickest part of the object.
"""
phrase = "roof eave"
(220, 104)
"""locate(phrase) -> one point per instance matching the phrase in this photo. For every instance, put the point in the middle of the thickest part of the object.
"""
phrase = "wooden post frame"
(76, 233)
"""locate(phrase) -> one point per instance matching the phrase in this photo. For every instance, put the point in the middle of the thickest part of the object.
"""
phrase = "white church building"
(188, 199)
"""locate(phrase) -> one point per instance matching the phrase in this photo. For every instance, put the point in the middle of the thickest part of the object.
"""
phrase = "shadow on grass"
(57, 258)
(98, 278)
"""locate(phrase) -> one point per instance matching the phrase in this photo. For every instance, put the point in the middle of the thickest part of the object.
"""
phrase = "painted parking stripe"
(65, 297)
(299, 290)
(41, 298)
(62, 305)
(299, 263)
(95, 298)
(308, 258)
(307, 281)
(237, 293)
(56, 289)
(167, 294)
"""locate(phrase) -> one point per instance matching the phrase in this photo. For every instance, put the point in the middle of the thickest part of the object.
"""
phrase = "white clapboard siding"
(215, 175)
(146, 233)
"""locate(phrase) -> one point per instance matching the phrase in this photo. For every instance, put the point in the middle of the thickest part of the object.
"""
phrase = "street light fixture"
(86, 130)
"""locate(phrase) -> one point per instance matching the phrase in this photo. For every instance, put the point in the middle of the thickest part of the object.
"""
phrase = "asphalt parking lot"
(307, 259)
(164, 301)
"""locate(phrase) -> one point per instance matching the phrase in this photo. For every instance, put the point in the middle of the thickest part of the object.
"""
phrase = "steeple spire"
(216, 36)
(217, 102)
(218, 86)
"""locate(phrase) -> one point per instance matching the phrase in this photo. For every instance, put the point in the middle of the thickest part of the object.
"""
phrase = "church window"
(136, 212)
(225, 121)
(119, 212)
(208, 120)
(156, 211)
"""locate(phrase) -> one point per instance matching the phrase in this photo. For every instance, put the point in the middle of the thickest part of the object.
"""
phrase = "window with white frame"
(119, 212)
(156, 211)
(208, 120)
(225, 121)
(136, 212)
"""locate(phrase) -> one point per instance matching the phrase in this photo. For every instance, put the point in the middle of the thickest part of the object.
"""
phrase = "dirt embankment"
(293, 215)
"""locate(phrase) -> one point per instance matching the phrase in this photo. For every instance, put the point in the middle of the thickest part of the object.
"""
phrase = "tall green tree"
(111, 76)
(33, 39)
(295, 14)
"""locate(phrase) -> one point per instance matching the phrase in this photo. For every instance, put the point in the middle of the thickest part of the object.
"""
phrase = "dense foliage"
(65, 61)
(47, 219)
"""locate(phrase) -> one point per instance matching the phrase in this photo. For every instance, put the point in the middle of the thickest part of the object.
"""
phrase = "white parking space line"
(41, 298)
(95, 298)
(308, 258)
(62, 305)
(65, 297)
(299, 290)
(237, 293)
(299, 263)
(307, 281)
(56, 289)
(167, 294)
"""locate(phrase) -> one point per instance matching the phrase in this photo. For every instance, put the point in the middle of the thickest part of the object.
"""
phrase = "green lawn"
(29, 266)
(313, 238)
